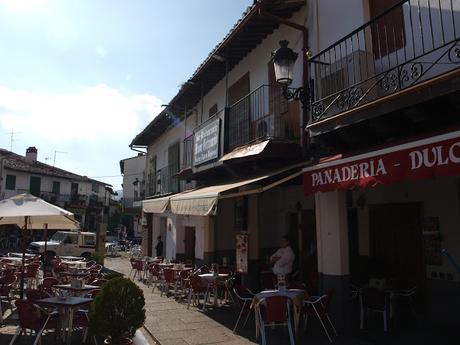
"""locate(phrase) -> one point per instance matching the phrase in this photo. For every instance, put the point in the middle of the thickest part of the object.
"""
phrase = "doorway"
(396, 241)
(163, 234)
(189, 243)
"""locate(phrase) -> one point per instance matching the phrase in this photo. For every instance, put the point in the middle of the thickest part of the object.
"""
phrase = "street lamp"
(283, 63)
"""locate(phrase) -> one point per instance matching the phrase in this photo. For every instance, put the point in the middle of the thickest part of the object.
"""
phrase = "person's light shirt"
(284, 264)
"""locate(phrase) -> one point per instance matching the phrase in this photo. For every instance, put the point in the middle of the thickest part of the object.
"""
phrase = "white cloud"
(95, 125)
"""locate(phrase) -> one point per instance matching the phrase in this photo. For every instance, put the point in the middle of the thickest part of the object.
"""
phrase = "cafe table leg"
(296, 318)
(70, 323)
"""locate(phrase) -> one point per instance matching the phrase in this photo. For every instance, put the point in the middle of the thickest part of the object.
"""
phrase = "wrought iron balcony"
(410, 43)
(262, 114)
(167, 180)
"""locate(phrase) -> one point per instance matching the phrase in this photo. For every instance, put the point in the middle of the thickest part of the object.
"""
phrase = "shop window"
(240, 222)
(56, 187)
(10, 182)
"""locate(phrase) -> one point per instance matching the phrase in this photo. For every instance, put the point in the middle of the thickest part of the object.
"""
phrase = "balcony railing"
(187, 158)
(167, 181)
(412, 42)
(262, 114)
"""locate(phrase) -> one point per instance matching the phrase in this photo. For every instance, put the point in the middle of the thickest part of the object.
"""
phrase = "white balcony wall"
(134, 168)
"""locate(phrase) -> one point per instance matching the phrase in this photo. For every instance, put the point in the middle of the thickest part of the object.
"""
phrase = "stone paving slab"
(171, 323)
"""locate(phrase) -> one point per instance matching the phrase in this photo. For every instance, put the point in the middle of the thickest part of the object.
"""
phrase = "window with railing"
(408, 43)
(187, 157)
(167, 180)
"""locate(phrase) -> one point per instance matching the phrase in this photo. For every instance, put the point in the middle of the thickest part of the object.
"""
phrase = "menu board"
(242, 252)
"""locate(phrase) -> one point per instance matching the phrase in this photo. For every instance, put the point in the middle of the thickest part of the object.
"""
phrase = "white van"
(67, 243)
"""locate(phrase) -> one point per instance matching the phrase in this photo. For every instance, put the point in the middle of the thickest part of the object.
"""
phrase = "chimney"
(31, 154)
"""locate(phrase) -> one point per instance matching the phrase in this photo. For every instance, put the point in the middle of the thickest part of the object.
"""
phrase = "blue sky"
(85, 76)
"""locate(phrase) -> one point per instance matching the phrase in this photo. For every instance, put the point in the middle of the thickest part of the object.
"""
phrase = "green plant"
(118, 310)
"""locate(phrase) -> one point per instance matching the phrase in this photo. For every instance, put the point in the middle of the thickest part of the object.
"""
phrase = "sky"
(80, 78)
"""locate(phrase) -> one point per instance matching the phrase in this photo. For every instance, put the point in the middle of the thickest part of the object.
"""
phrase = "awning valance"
(421, 159)
(203, 201)
(158, 205)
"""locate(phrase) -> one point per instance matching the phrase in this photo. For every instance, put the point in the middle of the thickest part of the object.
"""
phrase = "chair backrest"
(97, 267)
(8, 280)
(90, 263)
(61, 267)
(169, 275)
(204, 270)
(50, 281)
(99, 282)
(34, 295)
(196, 283)
(30, 316)
(9, 272)
(276, 309)
(185, 274)
(373, 298)
(242, 293)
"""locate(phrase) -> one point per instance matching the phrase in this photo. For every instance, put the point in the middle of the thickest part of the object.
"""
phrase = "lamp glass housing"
(284, 71)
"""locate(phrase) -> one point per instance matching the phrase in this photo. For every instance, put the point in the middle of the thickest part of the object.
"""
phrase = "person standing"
(159, 247)
(283, 258)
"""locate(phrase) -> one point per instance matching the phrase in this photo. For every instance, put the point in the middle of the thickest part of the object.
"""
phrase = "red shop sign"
(422, 159)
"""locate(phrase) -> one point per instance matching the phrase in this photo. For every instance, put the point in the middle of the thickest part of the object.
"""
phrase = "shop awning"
(158, 205)
(422, 159)
(203, 201)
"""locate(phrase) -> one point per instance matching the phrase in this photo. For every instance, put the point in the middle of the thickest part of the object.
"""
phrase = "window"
(35, 185)
(56, 187)
(10, 182)
(71, 239)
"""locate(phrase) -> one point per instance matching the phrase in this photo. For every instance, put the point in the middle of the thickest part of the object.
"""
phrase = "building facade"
(88, 199)
(363, 178)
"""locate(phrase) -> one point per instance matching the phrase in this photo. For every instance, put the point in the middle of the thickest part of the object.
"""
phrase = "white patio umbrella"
(29, 212)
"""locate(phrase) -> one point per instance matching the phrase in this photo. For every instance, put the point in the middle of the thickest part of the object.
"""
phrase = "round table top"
(291, 293)
(212, 277)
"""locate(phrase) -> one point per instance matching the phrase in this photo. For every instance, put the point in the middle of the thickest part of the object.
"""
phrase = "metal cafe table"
(66, 307)
(77, 291)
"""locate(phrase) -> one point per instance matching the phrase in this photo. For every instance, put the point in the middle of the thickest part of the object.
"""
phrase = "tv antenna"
(54, 160)
(12, 133)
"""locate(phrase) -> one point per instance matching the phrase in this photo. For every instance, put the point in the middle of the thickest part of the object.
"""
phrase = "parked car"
(66, 243)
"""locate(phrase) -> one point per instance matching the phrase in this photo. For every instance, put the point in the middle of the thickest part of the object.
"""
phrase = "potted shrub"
(117, 311)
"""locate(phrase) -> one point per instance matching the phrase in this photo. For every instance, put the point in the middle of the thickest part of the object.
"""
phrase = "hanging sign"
(206, 142)
(422, 159)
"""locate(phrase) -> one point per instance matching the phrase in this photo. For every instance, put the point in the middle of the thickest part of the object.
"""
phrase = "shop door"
(189, 243)
(396, 241)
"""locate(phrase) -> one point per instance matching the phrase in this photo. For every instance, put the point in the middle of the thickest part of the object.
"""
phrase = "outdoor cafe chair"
(34, 295)
(169, 281)
(90, 264)
(274, 311)
(197, 288)
(374, 300)
(6, 286)
(31, 275)
(99, 282)
(317, 307)
(34, 318)
(154, 278)
(245, 298)
(47, 284)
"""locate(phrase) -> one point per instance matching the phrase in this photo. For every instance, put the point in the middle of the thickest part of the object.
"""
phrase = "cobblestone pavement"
(171, 323)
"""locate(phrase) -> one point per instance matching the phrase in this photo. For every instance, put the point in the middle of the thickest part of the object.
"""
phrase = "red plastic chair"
(196, 289)
(155, 278)
(274, 311)
(245, 297)
(32, 317)
(31, 275)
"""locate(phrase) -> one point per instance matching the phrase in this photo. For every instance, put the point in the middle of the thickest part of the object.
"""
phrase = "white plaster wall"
(440, 198)
(133, 168)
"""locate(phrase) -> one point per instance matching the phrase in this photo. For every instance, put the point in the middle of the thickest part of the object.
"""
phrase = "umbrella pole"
(21, 293)
(45, 256)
